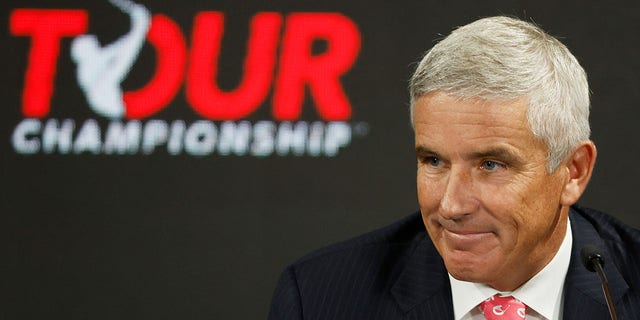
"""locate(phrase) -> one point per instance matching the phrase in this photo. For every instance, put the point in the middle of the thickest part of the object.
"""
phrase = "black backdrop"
(161, 236)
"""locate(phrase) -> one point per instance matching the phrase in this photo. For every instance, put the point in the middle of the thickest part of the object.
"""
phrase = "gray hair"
(502, 58)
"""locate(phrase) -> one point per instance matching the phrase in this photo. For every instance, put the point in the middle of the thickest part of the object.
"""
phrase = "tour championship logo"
(279, 60)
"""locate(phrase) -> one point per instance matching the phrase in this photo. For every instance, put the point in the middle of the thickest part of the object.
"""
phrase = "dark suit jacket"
(396, 273)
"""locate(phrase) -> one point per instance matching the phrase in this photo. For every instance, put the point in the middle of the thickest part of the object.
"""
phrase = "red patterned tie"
(505, 308)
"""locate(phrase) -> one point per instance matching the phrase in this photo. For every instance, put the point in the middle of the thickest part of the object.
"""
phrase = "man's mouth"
(465, 237)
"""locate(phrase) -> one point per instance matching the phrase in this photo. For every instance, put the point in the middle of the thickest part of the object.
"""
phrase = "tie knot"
(506, 308)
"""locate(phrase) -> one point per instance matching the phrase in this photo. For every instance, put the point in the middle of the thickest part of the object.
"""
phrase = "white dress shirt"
(543, 294)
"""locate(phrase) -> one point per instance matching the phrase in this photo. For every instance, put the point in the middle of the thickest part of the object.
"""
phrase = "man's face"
(488, 203)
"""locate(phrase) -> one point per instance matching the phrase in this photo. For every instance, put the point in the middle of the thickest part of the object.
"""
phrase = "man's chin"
(466, 275)
(470, 270)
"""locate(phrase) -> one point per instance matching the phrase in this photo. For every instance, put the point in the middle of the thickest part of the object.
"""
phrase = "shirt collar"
(542, 293)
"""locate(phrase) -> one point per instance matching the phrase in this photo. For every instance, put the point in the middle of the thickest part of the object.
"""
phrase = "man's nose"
(459, 198)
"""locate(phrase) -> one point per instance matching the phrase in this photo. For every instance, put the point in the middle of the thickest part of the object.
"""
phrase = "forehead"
(441, 120)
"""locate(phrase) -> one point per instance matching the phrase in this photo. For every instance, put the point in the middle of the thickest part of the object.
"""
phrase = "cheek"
(428, 194)
(429, 203)
(536, 207)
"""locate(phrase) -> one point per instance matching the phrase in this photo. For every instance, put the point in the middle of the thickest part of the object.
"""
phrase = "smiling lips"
(463, 235)
(464, 238)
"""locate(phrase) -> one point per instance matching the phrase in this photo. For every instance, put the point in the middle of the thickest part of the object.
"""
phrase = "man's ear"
(580, 166)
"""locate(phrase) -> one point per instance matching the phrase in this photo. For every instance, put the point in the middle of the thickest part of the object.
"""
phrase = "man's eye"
(490, 165)
(433, 161)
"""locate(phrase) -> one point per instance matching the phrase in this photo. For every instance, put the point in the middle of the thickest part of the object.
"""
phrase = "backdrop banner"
(167, 159)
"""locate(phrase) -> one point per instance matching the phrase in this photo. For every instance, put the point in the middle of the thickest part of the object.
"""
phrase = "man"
(500, 111)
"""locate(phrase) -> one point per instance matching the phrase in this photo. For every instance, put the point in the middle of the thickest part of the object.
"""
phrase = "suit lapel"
(423, 285)
(584, 298)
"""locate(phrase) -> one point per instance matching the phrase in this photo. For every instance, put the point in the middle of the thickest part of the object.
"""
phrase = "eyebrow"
(422, 151)
(501, 154)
